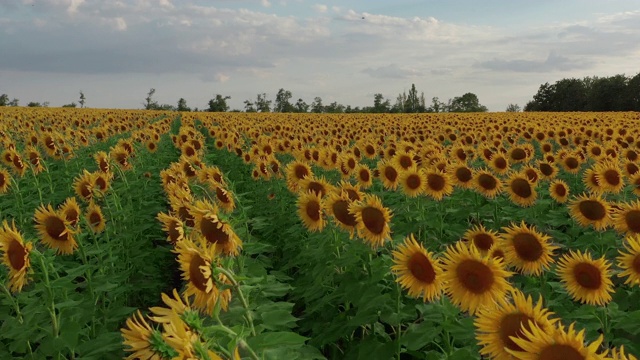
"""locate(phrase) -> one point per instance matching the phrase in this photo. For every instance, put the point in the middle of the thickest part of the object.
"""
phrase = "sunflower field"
(164, 235)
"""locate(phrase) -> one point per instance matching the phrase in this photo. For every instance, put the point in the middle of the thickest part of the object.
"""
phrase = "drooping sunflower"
(102, 159)
(417, 270)
(473, 280)
(83, 185)
(591, 182)
(71, 211)
(559, 191)
(95, 218)
(101, 182)
(412, 181)
(121, 157)
(521, 190)
(54, 230)
(196, 263)
(629, 262)
(481, 238)
(526, 249)
(173, 226)
(215, 230)
(496, 326)
(310, 210)
(626, 218)
(15, 255)
(538, 344)
(143, 341)
(586, 280)
(5, 180)
(591, 210)
(35, 161)
(224, 198)
(372, 220)
(487, 184)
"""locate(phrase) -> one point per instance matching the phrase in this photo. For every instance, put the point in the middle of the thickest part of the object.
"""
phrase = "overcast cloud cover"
(345, 51)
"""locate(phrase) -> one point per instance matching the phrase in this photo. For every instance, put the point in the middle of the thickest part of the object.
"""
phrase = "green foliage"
(219, 104)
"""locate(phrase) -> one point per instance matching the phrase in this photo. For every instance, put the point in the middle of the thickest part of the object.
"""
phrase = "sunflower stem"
(245, 304)
(243, 344)
(46, 170)
(399, 331)
(52, 305)
(19, 199)
(89, 284)
(15, 304)
(35, 179)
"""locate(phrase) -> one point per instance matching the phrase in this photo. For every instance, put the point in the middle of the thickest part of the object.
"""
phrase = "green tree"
(219, 104)
(380, 105)
(412, 102)
(182, 105)
(466, 103)
(401, 101)
(316, 105)
(82, 99)
(248, 106)
(72, 105)
(34, 104)
(334, 108)
(301, 106)
(4, 100)
(282, 103)
(437, 105)
(14, 102)
(513, 108)
(262, 104)
(633, 93)
(149, 103)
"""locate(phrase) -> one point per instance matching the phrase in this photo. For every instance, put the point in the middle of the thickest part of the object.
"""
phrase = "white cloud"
(265, 3)
(321, 8)
(222, 78)
(73, 6)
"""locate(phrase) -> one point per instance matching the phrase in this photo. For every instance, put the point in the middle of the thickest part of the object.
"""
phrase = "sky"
(114, 51)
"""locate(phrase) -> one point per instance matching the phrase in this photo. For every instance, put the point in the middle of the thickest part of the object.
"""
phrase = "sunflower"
(412, 181)
(487, 184)
(526, 249)
(417, 270)
(35, 160)
(121, 157)
(95, 218)
(403, 160)
(310, 210)
(629, 262)
(571, 163)
(54, 230)
(559, 191)
(71, 211)
(173, 226)
(83, 185)
(389, 174)
(521, 190)
(364, 176)
(481, 238)
(609, 176)
(626, 219)
(218, 232)
(619, 354)
(372, 220)
(102, 160)
(224, 198)
(591, 210)
(352, 191)
(547, 170)
(101, 182)
(634, 181)
(337, 206)
(15, 255)
(319, 186)
(195, 263)
(295, 172)
(585, 279)
(496, 326)
(591, 182)
(143, 341)
(462, 175)
(472, 280)
(176, 305)
(5, 180)
(499, 164)
(539, 344)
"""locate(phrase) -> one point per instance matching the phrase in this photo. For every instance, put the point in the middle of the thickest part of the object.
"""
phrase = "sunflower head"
(629, 260)
(15, 255)
(55, 231)
(591, 210)
(372, 220)
(526, 249)
(586, 280)
(417, 270)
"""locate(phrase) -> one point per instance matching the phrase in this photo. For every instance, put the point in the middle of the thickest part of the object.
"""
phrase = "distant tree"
(248, 106)
(149, 103)
(633, 93)
(282, 103)
(262, 104)
(34, 104)
(82, 99)
(513, 108)
(14, 102)
(219, 104)
(72, 105)
(4, 100)
(423, 103)
(334, 108)
(412, 102)
(182, 105)
(608, 94)
(466, 103)
(316, 105)
(301, 106)
(401, 101)
(437, 105)
(380, 105)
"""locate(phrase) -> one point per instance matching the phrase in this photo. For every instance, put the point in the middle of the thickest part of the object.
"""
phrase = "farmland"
(149, 234)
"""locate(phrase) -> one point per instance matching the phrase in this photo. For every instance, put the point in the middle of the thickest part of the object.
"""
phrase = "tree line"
(614, 93)
(405, 102)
